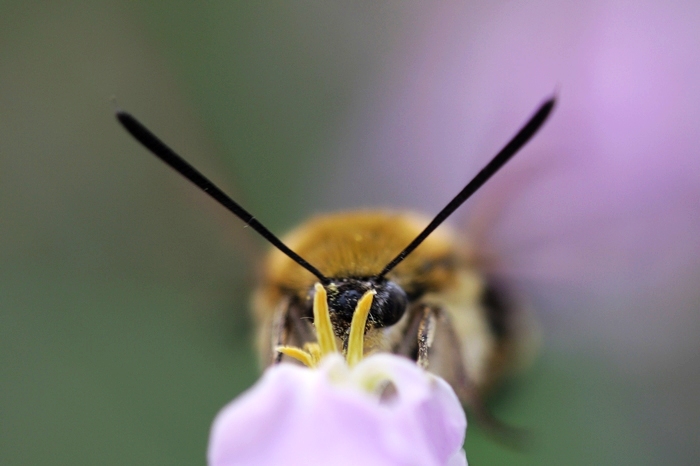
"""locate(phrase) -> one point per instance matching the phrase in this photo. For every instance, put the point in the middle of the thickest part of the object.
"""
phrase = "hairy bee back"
(358, 245)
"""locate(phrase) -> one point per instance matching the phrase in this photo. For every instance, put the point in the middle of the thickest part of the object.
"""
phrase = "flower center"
(312, 353)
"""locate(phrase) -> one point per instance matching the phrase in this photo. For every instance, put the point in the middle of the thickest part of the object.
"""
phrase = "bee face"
(351, 248)
(388, 306)
(359, 244)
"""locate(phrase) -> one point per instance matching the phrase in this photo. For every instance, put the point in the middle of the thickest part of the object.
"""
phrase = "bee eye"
(389, 304)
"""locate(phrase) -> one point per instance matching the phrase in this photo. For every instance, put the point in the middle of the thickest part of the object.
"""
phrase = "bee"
(432, 303)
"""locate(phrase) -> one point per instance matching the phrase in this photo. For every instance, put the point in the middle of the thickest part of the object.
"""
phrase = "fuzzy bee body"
(441, 274)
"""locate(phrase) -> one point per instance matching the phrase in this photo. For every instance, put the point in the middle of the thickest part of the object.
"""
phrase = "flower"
(378, 410)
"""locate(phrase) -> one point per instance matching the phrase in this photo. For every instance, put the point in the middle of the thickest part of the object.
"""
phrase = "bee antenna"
(167, 155)
(510, 149)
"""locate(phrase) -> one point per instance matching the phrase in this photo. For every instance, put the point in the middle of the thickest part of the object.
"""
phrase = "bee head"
(388, 306)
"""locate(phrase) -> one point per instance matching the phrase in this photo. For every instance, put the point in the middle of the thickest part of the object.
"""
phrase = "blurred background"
(123, 290)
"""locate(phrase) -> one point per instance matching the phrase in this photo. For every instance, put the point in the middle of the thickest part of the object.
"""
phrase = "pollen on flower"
(312, 353)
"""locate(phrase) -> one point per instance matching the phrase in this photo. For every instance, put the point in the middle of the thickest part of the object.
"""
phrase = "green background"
(123, 292)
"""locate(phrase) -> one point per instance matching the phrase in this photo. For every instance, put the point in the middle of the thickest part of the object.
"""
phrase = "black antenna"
(515, 144)
(167, 155)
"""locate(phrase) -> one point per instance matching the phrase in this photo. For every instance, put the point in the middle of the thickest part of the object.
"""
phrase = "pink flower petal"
(295, 415)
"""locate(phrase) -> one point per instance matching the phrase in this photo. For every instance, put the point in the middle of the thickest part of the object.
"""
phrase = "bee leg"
(407, 344)
(290, 327)
(465, 389)
(300, 326)
(280, 330)
(426, 334)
